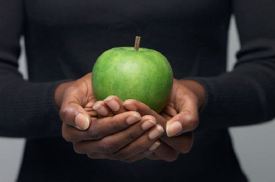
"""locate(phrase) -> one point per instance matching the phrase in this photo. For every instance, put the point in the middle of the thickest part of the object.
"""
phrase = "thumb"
(74, 115)
(186, 120)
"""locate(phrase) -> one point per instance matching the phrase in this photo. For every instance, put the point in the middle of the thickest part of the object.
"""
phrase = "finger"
(186, 120)
(110, 125)
(101, 109)
(102, 127)
(74, 115)
(144, 154)
(92, 113)
(142, 144)
(135, 105)
(166, 153)
(89, 109)
(115, 104)
(112, 143)
(166, 116)
(170, 110)
(143, 109)
(182, 143)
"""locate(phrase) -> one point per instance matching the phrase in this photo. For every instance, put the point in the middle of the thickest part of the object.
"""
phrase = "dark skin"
(86, 123)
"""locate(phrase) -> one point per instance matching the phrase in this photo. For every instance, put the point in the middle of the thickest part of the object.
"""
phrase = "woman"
(63, 39)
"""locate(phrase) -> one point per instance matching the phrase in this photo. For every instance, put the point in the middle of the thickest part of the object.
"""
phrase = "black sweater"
(63, 39)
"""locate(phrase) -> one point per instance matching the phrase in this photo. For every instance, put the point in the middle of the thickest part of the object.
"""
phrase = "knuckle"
(94, 131)
(116, 126)
(115, 97)
(132, 136)
(137, 135)
(65, 113)
(94, 134)
(148, 117)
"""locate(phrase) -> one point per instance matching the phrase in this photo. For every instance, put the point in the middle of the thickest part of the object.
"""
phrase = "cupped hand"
(180, 117)
(169, 148)
(186, 99)
(75, 100)
(127, 136)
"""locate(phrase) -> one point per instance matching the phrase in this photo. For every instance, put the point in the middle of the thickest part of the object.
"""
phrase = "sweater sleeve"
(26, 109)
(247, 94)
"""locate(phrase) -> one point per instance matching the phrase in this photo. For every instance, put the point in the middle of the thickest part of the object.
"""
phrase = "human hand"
(169, 148)
(182, 110)
(186, 99)
(126, 136)
(75, 100)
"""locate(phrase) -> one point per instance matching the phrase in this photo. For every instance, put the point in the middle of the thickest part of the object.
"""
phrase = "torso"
(66, 36)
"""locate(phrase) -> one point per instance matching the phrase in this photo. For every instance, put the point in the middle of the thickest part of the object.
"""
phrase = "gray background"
(254, 145)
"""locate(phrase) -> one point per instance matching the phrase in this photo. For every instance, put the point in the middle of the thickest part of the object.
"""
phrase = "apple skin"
(142, 74)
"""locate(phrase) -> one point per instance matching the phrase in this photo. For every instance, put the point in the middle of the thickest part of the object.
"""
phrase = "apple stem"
(137, 42)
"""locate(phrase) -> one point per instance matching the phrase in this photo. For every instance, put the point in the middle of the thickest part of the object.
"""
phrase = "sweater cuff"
(52, 111)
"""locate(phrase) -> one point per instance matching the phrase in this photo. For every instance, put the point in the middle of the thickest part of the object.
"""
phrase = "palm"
(173, 108)
(86, 96)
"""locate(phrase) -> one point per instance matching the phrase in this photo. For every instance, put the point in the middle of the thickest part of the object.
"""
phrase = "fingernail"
(174, 128)
(157, 132)
(100, 109)
(97, 105)
(148, 124)
(109, 98)
(154, 146)
(82, 122)
(113, 104)
(133, 118)
(130, 106)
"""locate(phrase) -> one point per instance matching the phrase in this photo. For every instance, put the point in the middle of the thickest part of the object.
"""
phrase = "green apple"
(129, 73)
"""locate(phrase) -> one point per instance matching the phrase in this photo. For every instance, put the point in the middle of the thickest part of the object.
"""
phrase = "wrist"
(196, 88)
(59, 92)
